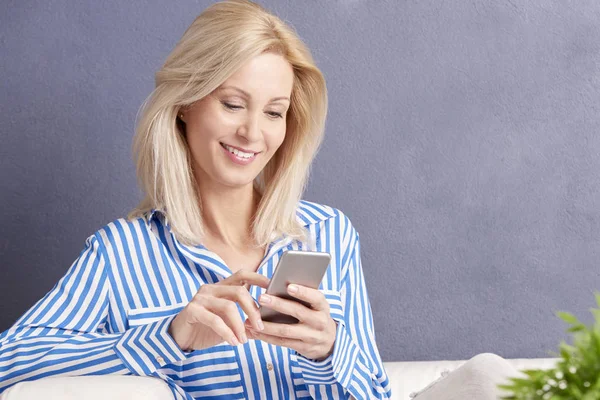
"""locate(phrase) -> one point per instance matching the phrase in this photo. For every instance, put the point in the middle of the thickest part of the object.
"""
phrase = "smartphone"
(305, 268)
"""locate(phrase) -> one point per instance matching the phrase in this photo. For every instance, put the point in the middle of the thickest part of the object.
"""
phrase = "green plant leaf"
(577, 328)
(568, 317)
(534, 373)
(596, 313)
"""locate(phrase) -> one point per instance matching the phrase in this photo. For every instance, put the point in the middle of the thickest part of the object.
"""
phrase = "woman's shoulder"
(124, 229)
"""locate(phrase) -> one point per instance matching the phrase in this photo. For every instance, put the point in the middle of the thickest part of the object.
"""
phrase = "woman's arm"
(68, 331)
(355, 363)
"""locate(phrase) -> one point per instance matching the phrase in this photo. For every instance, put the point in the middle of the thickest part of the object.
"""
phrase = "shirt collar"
(159, 215)
(307, 214)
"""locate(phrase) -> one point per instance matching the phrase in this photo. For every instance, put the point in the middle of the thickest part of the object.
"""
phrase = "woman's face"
(233, 132)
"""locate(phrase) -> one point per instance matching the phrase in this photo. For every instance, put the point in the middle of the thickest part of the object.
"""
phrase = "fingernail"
(260, 324)
(234, 341)
(244, 338)
(265, 299)
(292, 288)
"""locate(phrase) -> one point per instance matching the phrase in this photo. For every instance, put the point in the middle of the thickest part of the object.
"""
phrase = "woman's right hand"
(212, 316)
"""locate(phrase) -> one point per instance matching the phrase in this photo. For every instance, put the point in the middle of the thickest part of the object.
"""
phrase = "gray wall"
(462, 141)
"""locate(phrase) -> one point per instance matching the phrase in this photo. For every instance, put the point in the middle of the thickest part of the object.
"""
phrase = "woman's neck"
(228, 213)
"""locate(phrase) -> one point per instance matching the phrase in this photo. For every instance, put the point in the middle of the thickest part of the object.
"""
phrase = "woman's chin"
(236, 182)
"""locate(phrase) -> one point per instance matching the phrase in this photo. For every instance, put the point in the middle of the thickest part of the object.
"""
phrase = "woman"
(223, 151)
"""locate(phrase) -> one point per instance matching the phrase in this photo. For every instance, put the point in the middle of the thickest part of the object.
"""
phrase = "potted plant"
(576, 375)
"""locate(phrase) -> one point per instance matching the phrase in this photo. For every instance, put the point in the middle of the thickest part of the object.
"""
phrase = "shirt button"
(160, 360)
(270, 366)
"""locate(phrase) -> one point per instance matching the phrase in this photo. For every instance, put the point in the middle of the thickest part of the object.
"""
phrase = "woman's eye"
(235, 107)
(231, 106)
(275, 114)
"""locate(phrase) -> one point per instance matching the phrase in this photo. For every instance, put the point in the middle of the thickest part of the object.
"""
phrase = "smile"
(239, 156)
(239, 153)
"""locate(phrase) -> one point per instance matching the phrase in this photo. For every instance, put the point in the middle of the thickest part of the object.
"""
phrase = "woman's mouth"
(238, 155)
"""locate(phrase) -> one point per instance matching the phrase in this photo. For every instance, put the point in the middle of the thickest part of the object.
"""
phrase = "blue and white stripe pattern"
(110, 314)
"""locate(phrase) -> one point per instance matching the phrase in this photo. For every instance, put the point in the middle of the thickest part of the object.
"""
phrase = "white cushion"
(405, 378)
(96, 387)
(411, 377)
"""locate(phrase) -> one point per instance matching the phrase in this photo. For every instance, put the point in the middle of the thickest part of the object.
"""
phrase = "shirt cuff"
(146, 348)
(337, 367)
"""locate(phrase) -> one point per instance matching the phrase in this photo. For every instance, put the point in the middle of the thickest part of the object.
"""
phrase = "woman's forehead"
(266, 75)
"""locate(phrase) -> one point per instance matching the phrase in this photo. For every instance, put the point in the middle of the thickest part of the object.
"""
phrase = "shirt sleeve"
(355, 363)
(67, 331)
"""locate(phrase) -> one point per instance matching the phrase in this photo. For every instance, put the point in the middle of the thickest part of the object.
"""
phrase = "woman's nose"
(250, 129)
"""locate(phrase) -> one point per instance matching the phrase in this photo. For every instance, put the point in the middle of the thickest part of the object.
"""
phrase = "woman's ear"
(182, 113)
(181, 122)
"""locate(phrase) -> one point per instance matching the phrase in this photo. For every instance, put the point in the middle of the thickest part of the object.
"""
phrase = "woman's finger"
(294, 344)
(284, 306)
(243, 277)
(318, 347)
(201, 314)
(290, 331)
(227, 310)
(314, 297)
(240, 295)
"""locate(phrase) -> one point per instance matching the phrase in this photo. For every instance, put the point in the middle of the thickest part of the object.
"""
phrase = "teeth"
(238, 153)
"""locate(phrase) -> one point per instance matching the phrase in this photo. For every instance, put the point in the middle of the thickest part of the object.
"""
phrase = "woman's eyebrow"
(247, 95)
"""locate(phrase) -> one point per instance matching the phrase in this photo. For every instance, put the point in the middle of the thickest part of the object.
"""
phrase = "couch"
(406, 378)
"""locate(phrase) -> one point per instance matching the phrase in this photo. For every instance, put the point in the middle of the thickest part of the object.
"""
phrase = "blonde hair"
(219, 41)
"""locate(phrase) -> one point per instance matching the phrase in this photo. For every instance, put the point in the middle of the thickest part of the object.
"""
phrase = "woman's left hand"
(313, 336)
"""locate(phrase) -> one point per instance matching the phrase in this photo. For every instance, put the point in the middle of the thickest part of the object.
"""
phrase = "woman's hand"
(313, 336)
(212, 316)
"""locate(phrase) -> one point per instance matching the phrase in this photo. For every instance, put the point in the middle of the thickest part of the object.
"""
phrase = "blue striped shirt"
(110, 314)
